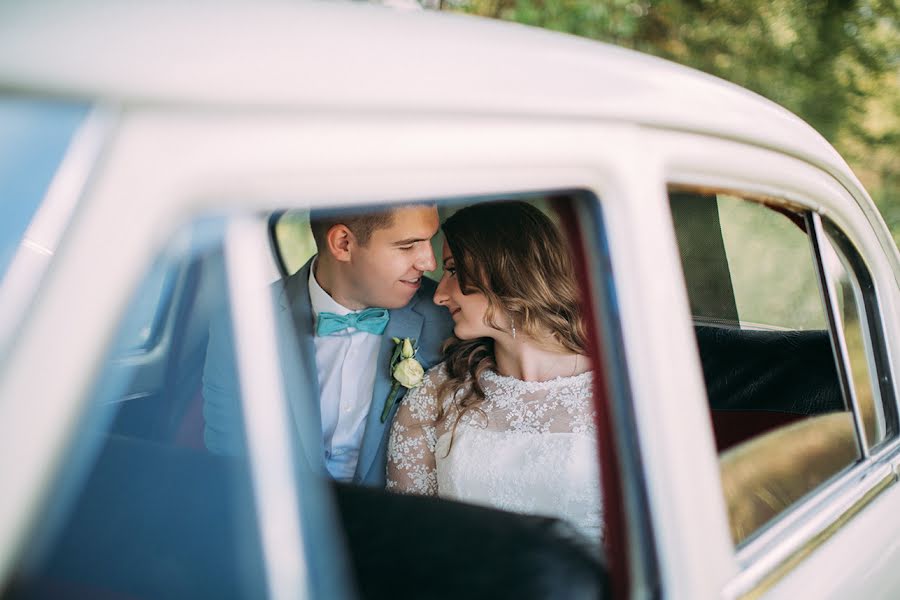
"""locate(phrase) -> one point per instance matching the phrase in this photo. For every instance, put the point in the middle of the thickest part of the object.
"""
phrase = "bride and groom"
(503, 417)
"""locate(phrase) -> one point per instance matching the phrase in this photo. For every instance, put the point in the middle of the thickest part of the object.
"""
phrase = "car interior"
(781, 417)
(757, 378)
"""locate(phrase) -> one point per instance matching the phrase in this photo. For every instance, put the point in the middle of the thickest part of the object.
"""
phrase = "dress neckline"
(496, 377)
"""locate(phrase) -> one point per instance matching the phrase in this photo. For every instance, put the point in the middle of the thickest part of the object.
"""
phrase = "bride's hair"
(513, 254)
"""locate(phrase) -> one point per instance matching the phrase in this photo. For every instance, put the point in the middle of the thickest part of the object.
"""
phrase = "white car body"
(210, 107)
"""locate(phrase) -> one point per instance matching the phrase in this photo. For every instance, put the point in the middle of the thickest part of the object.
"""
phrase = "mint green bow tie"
(370, 320)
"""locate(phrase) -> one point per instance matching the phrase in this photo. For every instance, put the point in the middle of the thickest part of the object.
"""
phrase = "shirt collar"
(320, 300)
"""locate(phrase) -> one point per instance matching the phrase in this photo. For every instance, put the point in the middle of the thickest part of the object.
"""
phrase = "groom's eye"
(409, 247)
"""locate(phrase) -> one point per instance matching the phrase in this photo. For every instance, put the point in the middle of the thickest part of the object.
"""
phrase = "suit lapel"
(404, 322)
(295, 300)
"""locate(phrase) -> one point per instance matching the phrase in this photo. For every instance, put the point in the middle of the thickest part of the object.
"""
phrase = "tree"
(835, 63)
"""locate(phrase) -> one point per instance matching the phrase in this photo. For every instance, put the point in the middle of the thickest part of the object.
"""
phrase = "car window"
(34, 137)
(417, 453)
(758, 278)
(764, 245)
(731, 273)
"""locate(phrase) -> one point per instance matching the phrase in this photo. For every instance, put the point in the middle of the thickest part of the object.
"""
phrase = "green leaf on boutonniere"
(389, 403)
(395, 356)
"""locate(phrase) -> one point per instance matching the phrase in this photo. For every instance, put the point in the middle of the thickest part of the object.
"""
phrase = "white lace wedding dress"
(530, 449)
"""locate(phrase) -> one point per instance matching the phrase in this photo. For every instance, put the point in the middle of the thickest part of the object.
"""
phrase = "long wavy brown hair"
(513, 254)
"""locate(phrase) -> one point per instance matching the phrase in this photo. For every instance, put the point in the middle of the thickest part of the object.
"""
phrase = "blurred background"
(835, 63)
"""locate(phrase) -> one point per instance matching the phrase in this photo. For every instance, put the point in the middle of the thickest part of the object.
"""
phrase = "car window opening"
(156, 445)
(772, 366)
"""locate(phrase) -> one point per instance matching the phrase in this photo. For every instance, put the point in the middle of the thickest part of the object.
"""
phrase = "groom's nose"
(425, 259)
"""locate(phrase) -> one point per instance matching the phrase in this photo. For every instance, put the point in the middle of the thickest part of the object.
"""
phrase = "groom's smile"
(387, 271)
(413, 283)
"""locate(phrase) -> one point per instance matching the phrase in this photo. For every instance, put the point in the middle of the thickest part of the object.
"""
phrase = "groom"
(365, 263)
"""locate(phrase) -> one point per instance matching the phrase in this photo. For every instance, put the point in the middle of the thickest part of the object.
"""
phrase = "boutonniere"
(405, 371)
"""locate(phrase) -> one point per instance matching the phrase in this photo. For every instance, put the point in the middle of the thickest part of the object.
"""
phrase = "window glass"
(781, 422)
(34, 137)
(766, 245)
(293, 240)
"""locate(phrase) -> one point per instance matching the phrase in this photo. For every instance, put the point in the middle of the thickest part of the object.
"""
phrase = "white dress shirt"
(346, 363)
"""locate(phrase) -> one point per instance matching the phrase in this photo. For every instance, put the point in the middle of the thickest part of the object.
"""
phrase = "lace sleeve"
(410, 461)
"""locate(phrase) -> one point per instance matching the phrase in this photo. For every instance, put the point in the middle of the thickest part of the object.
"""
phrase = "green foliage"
(836, 63)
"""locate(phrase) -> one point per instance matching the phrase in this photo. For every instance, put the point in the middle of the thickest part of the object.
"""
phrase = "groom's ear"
(340, 241)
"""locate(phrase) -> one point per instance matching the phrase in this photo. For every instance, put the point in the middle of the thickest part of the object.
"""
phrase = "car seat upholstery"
(426, 547)
(767, 474)
(158, 521)
(759, 380)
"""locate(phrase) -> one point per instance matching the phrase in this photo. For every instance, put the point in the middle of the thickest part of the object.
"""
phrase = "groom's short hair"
(363, 225)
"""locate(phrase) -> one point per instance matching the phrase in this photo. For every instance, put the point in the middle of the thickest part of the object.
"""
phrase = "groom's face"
(388, 269)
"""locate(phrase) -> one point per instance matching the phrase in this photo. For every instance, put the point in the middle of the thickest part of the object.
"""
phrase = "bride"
(507, 419)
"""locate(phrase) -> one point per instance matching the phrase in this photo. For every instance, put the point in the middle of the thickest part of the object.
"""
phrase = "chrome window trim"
(835, 328)
(266, 418)
(888, 451)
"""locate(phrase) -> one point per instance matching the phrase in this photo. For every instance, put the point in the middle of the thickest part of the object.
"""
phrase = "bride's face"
(466, 310)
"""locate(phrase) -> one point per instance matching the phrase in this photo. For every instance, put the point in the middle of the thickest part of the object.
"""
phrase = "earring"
(514, 329)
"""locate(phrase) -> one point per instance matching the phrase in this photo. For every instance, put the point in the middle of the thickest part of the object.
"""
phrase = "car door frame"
(804, 554)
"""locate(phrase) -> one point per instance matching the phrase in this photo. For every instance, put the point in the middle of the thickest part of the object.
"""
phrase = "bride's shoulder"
(436, 375)
(423, 397)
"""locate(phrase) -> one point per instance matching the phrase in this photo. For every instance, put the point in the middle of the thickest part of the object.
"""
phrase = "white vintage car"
(159, 158)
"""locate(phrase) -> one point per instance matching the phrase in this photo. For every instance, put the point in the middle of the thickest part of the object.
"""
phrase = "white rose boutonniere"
(406, 371)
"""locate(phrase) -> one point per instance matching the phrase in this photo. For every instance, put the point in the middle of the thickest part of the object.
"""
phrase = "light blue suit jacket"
(421, 320)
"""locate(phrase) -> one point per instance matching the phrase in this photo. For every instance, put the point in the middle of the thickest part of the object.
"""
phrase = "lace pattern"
(531, 448)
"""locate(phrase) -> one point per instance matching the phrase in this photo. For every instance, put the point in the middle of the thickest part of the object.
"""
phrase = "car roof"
(348, 56)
